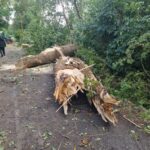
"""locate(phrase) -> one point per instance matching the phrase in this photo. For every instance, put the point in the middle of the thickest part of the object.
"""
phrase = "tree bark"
(47, 56)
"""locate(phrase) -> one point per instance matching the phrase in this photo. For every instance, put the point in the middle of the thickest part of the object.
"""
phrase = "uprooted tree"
(71, 76)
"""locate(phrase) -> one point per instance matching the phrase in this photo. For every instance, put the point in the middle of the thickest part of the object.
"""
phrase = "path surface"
(28, 120)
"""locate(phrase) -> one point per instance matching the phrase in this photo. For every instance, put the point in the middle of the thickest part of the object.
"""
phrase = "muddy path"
(28, 118)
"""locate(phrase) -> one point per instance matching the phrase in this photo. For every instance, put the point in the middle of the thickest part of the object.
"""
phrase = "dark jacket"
(2, 42)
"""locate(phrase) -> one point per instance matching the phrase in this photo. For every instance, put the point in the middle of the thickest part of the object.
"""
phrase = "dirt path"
(28, 120)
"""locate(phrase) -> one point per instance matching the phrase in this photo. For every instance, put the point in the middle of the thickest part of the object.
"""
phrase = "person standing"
(2, 46)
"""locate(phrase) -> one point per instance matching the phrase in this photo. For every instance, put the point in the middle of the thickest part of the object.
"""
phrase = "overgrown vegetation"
(113, 35)
(119, 32)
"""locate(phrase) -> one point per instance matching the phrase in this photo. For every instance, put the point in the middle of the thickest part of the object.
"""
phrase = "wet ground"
(28, 118)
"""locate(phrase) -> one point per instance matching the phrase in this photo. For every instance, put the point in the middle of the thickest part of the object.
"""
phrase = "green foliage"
(114, 35)
(2, 139)
(125, 52)
(90, 86)
(36, 23)
(92, 58)
(132, 87)
(4, 13)
(147, 129)
(119, 32)
(146, 115)
(43, 37)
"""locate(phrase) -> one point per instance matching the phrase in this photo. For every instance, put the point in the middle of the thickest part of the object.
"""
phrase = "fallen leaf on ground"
(85, 142)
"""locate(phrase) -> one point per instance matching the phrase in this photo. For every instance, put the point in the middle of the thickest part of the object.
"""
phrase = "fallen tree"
(47, 56)
(73, 75)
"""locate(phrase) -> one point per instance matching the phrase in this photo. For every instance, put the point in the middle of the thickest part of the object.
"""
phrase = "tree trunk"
(69, 25)
(47, 56)
(77, 9)
(73, 75)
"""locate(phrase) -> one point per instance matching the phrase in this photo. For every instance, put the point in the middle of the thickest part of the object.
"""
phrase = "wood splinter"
(73, 75)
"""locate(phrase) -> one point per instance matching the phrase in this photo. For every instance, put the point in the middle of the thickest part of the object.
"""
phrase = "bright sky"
(12, 17)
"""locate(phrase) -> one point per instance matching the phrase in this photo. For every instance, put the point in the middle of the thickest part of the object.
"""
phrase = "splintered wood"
(73, 75)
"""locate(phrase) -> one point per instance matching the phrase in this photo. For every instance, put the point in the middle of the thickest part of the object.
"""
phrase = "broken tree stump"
(73, 75)
(47, 56)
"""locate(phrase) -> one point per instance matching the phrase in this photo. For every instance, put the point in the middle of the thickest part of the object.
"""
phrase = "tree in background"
(5, 10)
(119, 32)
